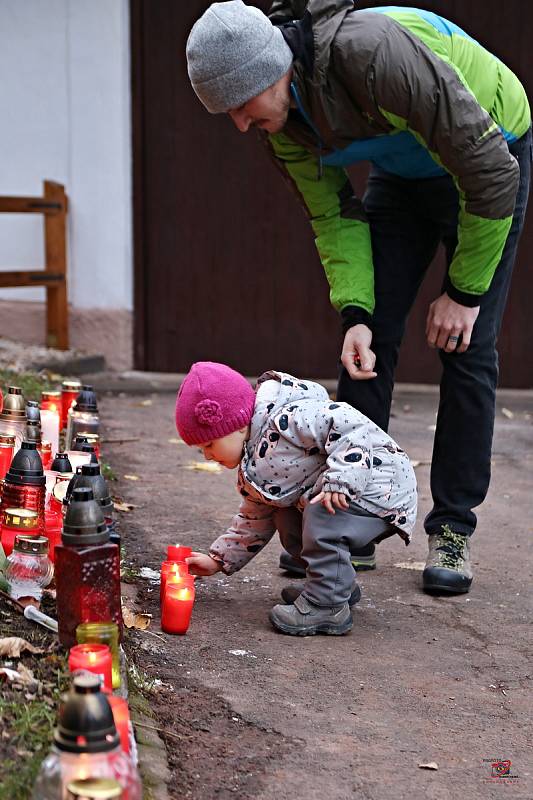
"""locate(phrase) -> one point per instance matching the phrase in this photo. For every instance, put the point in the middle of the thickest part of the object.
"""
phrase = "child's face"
(227, 451)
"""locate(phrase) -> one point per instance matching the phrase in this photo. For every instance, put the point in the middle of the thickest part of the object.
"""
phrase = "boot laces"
(451, 546)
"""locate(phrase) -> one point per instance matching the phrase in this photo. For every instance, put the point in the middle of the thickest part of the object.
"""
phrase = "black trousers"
(408, 219)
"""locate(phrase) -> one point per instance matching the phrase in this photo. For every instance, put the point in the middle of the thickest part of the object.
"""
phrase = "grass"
(28, 726)
(107, 471)
(31, 383)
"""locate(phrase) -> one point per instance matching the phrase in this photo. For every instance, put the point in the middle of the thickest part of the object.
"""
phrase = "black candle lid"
(89, 475)
(61, 463)
(26, 468)
(86, 400)
(86, 722)
(84, 523)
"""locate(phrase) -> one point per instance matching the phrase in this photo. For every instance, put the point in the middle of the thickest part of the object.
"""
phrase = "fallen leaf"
(12, 646)
(132, 477)
(120, 505)
(134, 619)
(429, 765)
(416, 565)
(508, 414)
(200, 466)
(26, 676)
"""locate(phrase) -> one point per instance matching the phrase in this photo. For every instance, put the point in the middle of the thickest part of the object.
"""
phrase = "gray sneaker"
(290, 593)
(448, 567)
(305, 619)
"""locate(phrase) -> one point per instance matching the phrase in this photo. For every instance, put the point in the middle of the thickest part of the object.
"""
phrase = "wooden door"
(225, 264)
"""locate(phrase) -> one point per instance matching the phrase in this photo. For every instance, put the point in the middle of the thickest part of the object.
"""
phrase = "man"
(447, 128)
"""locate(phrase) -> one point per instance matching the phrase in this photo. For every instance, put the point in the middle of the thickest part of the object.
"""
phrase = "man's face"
(268, 111)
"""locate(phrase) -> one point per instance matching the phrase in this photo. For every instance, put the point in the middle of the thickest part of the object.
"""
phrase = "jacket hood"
(276, 390)
(326, 17)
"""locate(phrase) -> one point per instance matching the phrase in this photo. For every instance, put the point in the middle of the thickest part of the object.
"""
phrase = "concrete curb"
(152, 753)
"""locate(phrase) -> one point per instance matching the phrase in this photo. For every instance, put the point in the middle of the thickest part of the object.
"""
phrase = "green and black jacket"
(415, 95)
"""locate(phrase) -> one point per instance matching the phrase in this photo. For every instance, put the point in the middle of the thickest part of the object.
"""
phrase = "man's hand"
(331, 499)
(448, 321)
(201, 564)
(356, 354)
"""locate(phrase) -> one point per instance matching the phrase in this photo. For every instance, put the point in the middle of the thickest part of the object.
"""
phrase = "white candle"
(50, 429)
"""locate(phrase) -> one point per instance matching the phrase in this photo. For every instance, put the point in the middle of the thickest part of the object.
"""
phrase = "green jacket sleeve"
(416, 90)
(338, 221)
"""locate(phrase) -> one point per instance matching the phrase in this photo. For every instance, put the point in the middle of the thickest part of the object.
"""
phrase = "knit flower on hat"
(208, 412)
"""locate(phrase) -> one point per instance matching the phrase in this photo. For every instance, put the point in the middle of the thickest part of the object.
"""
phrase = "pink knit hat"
(213, 401)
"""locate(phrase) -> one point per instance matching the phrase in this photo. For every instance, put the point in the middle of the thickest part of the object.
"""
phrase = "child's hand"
(330, 499)
(201, 564)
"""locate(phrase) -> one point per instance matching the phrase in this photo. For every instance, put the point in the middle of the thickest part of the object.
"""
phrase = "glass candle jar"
(17, 521)
(102, 633)
(95, 658)
(83, 416)
(178, 569)
(7, 448)
(86, 744)
(28, 570)
(177, 606)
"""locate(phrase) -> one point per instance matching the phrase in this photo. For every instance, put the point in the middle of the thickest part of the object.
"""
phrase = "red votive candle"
(93, 658)
(177, 569)
(121, 716)
(69, 392)
(51, 401)
(7, 447)
(178, 552)
(177, 606)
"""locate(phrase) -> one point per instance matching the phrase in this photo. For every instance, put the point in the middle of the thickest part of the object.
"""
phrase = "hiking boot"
(290, 593)
(290, 564)
(364, 557)
(305, 619)
(448, 568)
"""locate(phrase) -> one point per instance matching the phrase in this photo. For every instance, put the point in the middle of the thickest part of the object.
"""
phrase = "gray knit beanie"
(233, 54)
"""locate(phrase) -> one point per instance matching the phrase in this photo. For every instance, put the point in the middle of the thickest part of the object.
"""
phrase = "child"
(319, 472)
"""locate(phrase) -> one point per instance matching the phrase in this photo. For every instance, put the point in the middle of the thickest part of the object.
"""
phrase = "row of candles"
(56, 523)
(63, 518)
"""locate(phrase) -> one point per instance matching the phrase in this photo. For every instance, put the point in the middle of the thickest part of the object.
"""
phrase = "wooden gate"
(225, 265)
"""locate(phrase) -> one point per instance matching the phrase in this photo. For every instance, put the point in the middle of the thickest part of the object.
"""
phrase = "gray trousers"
(321, 542)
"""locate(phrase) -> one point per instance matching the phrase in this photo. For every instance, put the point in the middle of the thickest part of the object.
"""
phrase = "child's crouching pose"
(319, 472)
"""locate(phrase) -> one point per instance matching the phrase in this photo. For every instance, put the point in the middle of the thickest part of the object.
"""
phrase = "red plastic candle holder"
(178, 552)
(177, 569)
(93, 658)
(17, 521)
(121, 716)
(69, 392)
(177, 606)
(51, 401)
